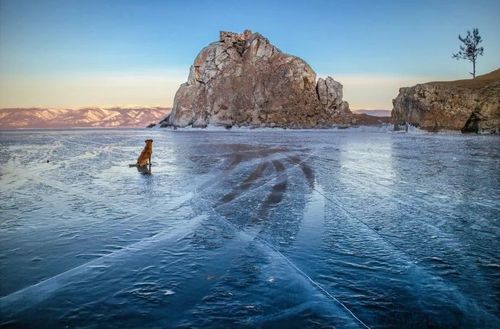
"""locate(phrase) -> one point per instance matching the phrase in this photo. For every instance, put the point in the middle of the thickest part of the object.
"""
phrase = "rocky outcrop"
(244, 80)
(465, 105)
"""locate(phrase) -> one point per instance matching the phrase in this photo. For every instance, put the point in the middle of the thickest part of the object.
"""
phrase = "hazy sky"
(77, 53)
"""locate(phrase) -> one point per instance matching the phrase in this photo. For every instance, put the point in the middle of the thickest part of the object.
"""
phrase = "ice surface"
(245, 228)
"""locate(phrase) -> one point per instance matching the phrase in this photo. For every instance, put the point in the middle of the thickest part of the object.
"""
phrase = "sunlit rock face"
(465, 105)
(244, 80)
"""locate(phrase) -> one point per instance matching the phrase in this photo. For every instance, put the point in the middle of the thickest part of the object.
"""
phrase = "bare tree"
(470, 50)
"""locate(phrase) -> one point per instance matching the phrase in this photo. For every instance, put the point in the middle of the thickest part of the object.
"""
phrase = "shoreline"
(384, 129)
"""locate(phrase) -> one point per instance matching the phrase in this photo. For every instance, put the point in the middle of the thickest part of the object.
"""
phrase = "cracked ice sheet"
(247, 229)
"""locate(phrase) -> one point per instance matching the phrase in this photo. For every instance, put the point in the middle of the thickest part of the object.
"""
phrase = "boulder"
(329, 92)
(244, 80)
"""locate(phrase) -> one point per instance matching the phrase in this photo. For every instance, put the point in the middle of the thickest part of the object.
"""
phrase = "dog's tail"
(132, 165)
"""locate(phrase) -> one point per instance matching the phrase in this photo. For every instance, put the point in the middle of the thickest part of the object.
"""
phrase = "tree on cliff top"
(470, 50)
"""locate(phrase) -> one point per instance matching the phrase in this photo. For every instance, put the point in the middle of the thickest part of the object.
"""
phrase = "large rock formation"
(467, 105)
(244, 80)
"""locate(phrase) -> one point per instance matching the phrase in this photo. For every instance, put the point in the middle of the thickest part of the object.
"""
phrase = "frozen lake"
(271, 229)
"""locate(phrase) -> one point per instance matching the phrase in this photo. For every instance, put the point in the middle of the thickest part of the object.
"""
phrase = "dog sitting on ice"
(145, 156)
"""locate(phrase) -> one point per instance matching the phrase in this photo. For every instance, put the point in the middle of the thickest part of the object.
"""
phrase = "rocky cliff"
(466, 105)
(244, 80)
(90, 117)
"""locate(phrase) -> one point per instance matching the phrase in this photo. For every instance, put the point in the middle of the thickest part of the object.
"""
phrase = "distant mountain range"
(375, 113)
(89, 117)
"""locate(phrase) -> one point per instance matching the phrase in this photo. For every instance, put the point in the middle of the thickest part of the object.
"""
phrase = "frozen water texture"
(270, 229)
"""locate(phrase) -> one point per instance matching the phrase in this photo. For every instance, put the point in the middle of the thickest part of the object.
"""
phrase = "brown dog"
(145, 157)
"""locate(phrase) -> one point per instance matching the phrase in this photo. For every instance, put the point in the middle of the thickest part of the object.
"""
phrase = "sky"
(69, 53)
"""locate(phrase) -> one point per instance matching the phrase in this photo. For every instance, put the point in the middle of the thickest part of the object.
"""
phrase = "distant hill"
(375, 113)
(89, 117)
(371, 120)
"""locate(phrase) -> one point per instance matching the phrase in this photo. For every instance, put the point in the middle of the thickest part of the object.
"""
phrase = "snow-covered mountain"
(88, 117)
(375, 113)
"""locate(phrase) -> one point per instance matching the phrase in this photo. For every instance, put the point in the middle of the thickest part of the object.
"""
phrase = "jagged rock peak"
(242, 79)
